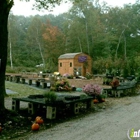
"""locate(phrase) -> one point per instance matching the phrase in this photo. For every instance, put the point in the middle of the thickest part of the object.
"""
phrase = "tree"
(54, 44)
(10, 43)
(35, 41)
(5, 6)
(85, 28)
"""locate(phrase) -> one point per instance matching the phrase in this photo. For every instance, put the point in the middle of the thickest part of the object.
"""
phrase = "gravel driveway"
(111, 123)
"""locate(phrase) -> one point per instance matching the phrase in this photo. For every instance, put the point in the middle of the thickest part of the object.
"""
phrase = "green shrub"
(50, 96)
(89, 75)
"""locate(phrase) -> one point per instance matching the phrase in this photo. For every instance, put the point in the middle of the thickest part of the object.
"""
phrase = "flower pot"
(95, 101)
(99, 98)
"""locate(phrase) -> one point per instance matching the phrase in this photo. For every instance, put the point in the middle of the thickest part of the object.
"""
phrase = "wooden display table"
(51, 108)
(124, 90)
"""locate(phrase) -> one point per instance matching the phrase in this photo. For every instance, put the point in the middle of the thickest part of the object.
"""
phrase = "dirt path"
(111, 123)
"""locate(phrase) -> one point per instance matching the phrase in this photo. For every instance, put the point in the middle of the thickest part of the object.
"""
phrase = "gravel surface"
(110, 123)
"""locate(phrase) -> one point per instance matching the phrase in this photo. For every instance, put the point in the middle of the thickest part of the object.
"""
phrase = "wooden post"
(23, 80)
(37, 83)
(30, 82)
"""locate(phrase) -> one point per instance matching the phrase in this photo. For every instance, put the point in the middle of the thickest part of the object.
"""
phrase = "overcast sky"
(25, 8)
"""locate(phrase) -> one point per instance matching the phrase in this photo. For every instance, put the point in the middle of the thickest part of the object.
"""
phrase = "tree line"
(110, 35)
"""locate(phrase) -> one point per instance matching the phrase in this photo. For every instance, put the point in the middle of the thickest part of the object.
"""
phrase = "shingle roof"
(68, 55)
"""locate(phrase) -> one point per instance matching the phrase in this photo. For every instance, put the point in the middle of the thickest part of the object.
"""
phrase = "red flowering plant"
(114, 83)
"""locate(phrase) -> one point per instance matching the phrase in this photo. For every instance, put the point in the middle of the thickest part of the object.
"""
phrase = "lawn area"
(22, 90)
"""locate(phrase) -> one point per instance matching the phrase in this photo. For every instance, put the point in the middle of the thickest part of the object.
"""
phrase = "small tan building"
(74, 63)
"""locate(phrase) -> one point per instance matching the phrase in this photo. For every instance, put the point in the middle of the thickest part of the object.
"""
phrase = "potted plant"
(114, 83)
(50, 96)
(93, 90)
(61, 85)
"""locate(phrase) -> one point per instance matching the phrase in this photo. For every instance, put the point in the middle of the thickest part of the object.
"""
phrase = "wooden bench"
(23, 79)
(43, 83)
(125, 90)
(17, 78)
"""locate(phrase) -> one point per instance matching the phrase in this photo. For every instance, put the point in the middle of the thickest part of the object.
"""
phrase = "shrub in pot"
(50, 96)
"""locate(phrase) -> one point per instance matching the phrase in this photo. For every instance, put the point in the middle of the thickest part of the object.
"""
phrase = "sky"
(25, 8)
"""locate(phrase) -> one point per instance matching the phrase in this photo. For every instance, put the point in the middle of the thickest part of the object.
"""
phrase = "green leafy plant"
(125, 72)
(82, 96)
(89, 75)
(50, 96)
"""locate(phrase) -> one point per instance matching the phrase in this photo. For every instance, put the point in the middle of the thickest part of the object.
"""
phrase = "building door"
(66, 67)
(84, 71)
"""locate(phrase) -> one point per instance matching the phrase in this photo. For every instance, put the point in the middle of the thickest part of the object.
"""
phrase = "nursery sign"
(133, 134)
(82, 59)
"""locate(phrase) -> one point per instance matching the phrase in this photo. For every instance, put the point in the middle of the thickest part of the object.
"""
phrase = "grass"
(22, 90)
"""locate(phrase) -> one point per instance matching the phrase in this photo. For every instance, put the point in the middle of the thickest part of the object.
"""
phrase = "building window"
(60, 64)
(70, 64)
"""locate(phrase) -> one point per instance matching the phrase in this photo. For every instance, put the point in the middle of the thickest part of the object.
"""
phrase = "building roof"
(68, 55)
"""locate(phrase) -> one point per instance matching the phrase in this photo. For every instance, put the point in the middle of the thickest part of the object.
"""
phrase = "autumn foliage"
(54, 42)
(52, 33)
